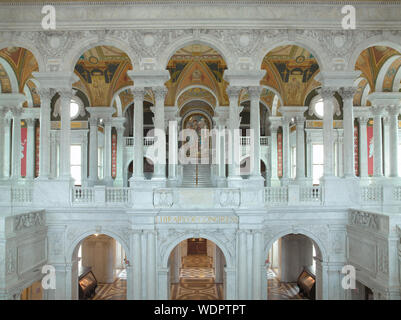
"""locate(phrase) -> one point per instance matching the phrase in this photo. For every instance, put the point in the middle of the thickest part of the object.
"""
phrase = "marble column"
(53, 154)
(328, 96)
(16, 144)
(139, 94)
(338, 153)
(286, 149)
(274, 125)
(220, 154)
(242, 266)
(137, 266)
(30, 149)
(363, 147)
(119, 181)
(257, 261)
(3, 112)
(386, 145)
(44, 132)
(160, 134)
(254, 95)
(393, 112)
(93, 149)
(84, 159)
(348, 124)
(173, 150)
(151, 265)
(7, 148)
(233, 138)
(65, 134)
(107, 152)
(309, 155)
(300, 148)
(377, 141)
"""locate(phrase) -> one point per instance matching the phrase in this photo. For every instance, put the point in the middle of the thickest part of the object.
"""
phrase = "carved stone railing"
(22, 195)
(276, 196)
(83, 195)
(117, 195)
(372, 194)
(147, 141)
(310, 194)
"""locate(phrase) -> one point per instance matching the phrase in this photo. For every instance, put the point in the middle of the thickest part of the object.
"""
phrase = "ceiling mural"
(103, 71)
(291, 71)
(196, 65)
(359, 92)
(196, 94)
(127, 98)
(371, 60)
(389, 78)
(22, 62)
(4, 80)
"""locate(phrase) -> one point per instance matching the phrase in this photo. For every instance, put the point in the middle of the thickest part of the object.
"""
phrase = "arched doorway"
(99, 272)
(197, 270)
(294, 269)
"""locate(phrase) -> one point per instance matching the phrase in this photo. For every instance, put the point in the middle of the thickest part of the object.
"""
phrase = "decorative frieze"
(28, 220)
(365, 219)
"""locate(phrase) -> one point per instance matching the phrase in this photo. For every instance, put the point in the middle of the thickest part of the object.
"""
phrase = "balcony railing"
(22, 195)
(117, 195)
(310, 194)
(276, 196)
(83, 195)
(372, 194)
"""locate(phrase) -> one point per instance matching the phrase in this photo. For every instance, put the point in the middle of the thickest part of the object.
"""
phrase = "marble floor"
(113, 291)
(277, 290)
(197, 280)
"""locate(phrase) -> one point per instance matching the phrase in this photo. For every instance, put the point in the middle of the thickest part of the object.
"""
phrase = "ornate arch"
(27, 46)
(92, 230)
(207, 40)
(192, 234)
(307, 44)
(298, 230)
(81, 47)
(371, 42)
(192, 87)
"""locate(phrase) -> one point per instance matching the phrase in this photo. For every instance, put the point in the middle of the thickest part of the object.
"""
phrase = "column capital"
(93, 120)
(46, 94)
(233, 91)
(347, 92)
(159, 93)
(275, 123)
(378, 110)
(254, 92)
(107, 122)
(66, 93)
(139, 93)
(17, 111)
(393, 110)
(30, 122)
(327, 93)
(363, 119)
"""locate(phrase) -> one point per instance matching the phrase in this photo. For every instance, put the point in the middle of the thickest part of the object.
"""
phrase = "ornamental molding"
(29, 220)
(365, 219)
(382, 258)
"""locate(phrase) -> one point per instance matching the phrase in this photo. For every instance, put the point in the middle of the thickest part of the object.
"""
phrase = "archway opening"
(294, 269)
(99, 269)
(196, 268)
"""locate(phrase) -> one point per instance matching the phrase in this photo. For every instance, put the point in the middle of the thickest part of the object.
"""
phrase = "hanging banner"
(23, 151)
(114, 155)
(37, 139)
(279, 154)
(370, 150)
(356, 150)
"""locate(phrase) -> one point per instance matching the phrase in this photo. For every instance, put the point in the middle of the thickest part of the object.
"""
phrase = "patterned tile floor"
(197, 280)
(277, 290)
(113, 291)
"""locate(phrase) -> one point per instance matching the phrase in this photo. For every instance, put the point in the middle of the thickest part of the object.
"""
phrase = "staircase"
(196, 176)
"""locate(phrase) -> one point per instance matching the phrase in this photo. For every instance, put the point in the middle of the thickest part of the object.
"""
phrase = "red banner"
(37, 139)
(23, 151)
(356, 150)
(279, 154)
(114, 155)
(370, 150)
